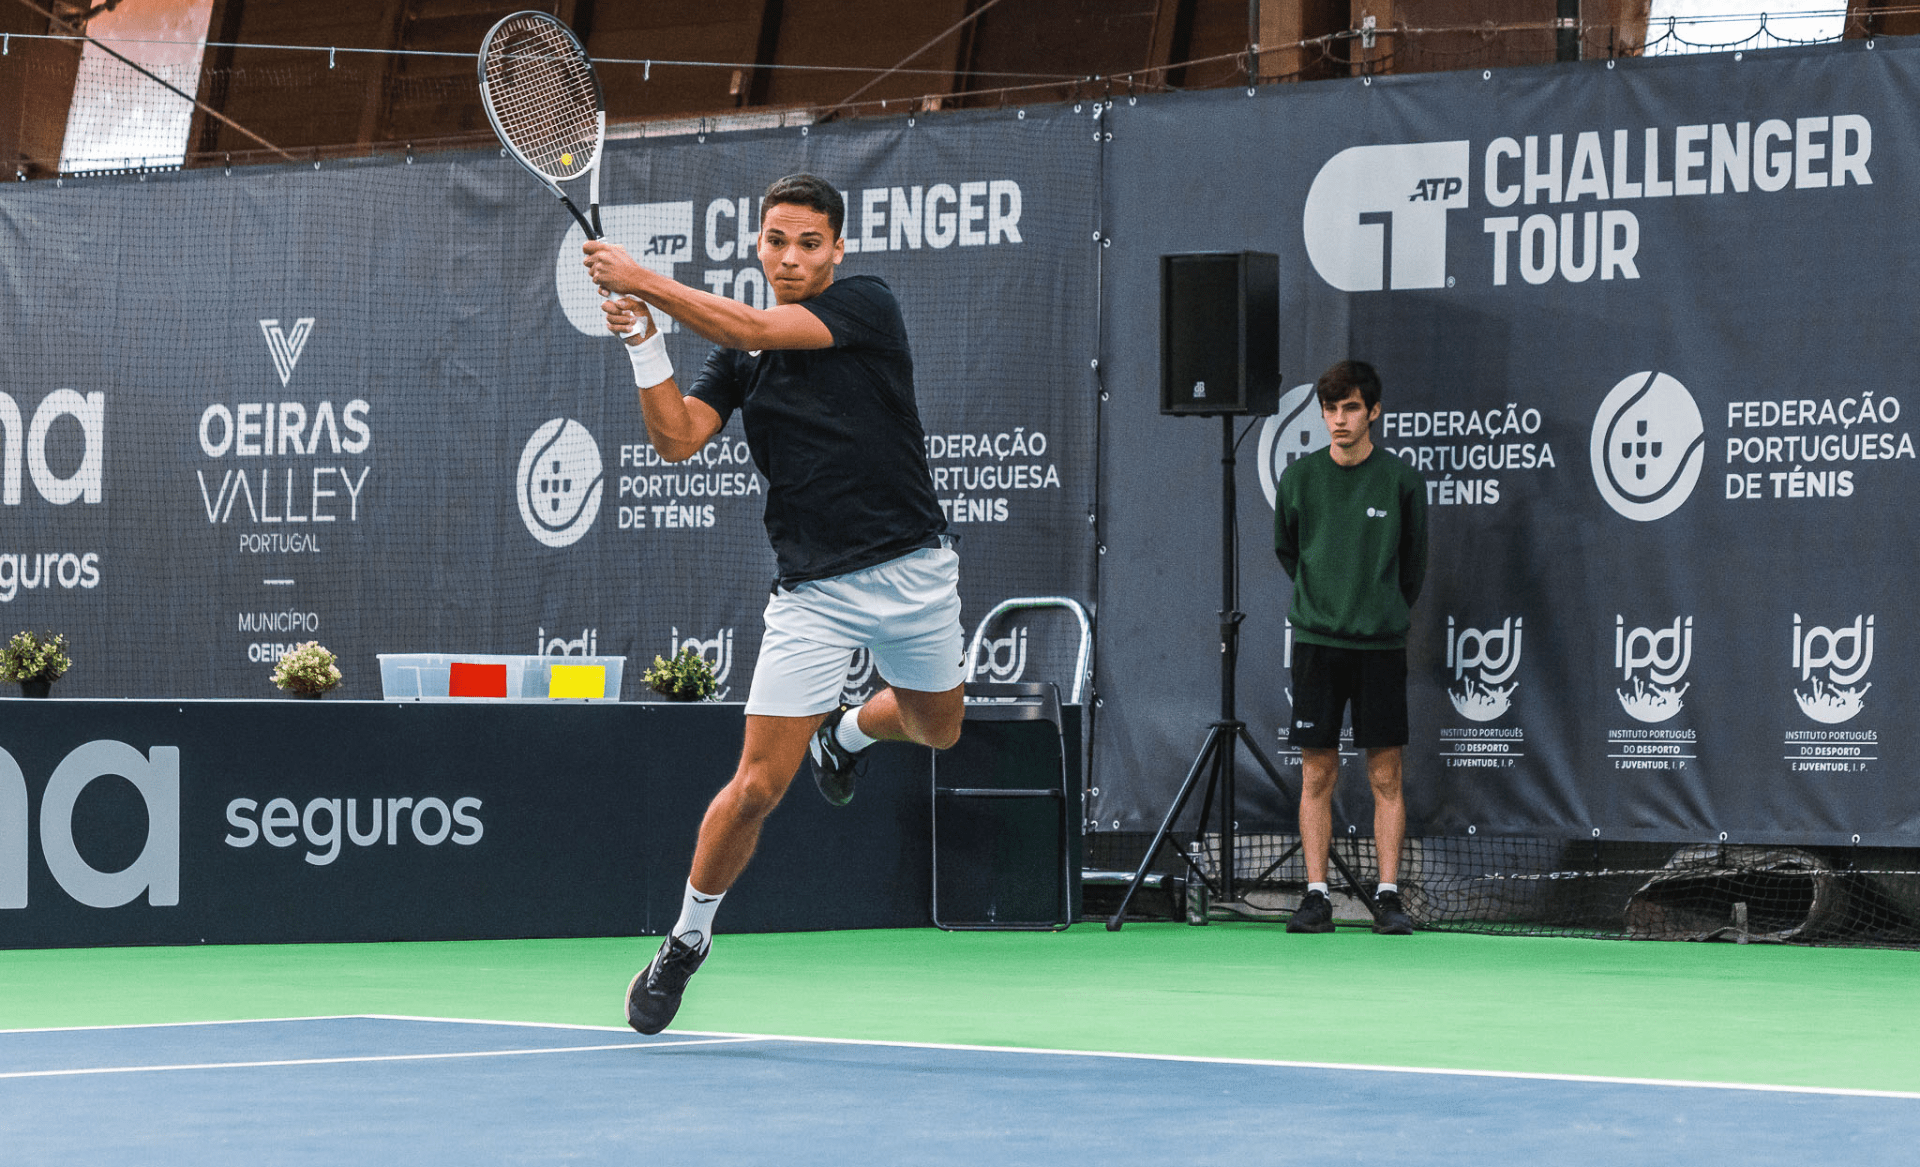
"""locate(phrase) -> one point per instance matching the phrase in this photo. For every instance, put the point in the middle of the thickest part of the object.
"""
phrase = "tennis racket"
(544, 102)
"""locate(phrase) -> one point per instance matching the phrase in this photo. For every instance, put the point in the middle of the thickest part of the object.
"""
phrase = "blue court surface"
(430, 1091)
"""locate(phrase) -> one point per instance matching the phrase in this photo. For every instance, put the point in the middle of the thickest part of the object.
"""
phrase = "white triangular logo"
(285, 348)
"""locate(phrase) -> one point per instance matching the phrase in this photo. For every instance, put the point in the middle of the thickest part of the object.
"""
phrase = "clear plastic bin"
(422, 676)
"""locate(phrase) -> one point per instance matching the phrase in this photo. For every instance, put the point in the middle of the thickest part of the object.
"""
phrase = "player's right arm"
(678, 426)
(726, 322)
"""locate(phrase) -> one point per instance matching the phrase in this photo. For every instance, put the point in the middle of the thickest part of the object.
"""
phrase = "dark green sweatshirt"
(1354, 541)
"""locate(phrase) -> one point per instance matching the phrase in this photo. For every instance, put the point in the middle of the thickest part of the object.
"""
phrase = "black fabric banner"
(1630, 318)
(1632, 323)
(372, 403)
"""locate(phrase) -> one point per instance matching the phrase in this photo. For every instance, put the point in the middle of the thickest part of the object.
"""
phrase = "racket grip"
(606, 295)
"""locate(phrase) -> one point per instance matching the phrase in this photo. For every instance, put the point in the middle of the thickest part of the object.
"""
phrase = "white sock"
(1317, 887)
(850, 734)
(1386, 887)
(695, 926)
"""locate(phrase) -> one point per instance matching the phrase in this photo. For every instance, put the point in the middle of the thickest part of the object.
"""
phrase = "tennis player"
(1350, 528)
(823, 381)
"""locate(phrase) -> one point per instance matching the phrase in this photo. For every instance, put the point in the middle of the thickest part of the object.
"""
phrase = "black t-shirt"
(837, 436)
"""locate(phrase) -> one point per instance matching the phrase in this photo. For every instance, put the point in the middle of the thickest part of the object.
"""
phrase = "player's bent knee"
(753, 796)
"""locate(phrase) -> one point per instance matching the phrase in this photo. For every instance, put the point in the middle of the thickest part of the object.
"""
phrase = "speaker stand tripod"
(1225, 734)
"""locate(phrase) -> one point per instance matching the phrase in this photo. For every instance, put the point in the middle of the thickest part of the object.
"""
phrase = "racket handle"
(606, 295)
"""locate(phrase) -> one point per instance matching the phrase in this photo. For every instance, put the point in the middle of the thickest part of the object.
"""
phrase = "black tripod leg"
(1333, 853)
(1200, 763)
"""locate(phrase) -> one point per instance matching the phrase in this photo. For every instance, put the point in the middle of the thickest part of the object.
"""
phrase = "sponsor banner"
(1625, 321)
(348, 421)
(137, 822)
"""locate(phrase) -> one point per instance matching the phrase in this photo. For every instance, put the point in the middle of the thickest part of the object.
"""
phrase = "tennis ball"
(566, 159)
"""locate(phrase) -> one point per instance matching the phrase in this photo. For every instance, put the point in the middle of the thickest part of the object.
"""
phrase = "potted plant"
(686, 677)
(35, 662)
(308, 671)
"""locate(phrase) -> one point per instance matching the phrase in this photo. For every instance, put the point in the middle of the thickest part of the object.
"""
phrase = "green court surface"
(1834, 1018)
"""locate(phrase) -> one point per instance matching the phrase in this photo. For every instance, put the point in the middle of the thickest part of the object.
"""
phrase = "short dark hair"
(804, 190)
(1343, 378)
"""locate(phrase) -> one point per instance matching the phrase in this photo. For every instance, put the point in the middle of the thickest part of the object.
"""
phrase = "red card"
(471, 680)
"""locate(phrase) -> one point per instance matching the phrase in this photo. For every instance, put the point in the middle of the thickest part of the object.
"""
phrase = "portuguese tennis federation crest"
(1648, 446)
(559, 483)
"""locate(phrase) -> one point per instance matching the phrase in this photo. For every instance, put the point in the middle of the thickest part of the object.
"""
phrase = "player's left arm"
(1413, 536)
(724, 321)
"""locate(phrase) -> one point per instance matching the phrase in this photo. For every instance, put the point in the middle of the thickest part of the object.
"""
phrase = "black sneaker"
(1390, 915)
(654, 996)
(833, 763)
(1315, 914)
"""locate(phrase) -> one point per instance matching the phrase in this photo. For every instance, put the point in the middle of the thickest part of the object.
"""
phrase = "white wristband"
(650, 363)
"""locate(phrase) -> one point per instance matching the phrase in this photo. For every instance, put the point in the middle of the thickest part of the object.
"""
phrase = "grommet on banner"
(1351, 830)
(1022, 115)
(1596, 832)
(1739, 56)
(1856, 838)
(1487, 74)
(803, 131)
(1869, 44)
(1609, 65)
(1723, 836)
(1472, 830)
(1366, 82)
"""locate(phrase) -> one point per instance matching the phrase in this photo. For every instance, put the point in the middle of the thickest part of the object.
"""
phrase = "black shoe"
(833, 763)
(654, 996)
(1390, 915)
(1315, 914)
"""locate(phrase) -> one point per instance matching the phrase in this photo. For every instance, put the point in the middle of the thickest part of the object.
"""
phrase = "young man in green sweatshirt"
(1350, 528)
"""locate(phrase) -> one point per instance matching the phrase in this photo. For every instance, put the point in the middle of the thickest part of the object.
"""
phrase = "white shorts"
(906, 612)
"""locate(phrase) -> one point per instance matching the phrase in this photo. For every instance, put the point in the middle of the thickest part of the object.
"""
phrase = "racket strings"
(541, 92)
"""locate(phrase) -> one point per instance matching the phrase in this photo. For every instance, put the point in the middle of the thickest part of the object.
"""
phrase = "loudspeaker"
(1220, 333)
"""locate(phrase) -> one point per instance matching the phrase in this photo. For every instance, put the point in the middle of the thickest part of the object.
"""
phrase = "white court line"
(1360, 1067)
(189, 1024)
(491, 1053)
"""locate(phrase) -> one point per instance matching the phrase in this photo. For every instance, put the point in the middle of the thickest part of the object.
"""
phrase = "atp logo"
(717, 652)
(559, 484)
(1491, 656)
(1846, 653)
(155, 774)
(1376, 216)
(286, 346)
(1647, 447)
(1665, 653)
(1294, 431)
(658, 236)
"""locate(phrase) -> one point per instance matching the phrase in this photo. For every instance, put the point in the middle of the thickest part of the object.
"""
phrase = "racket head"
(542, 96)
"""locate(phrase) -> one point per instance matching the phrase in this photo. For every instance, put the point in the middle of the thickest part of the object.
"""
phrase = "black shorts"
(1326, 679)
